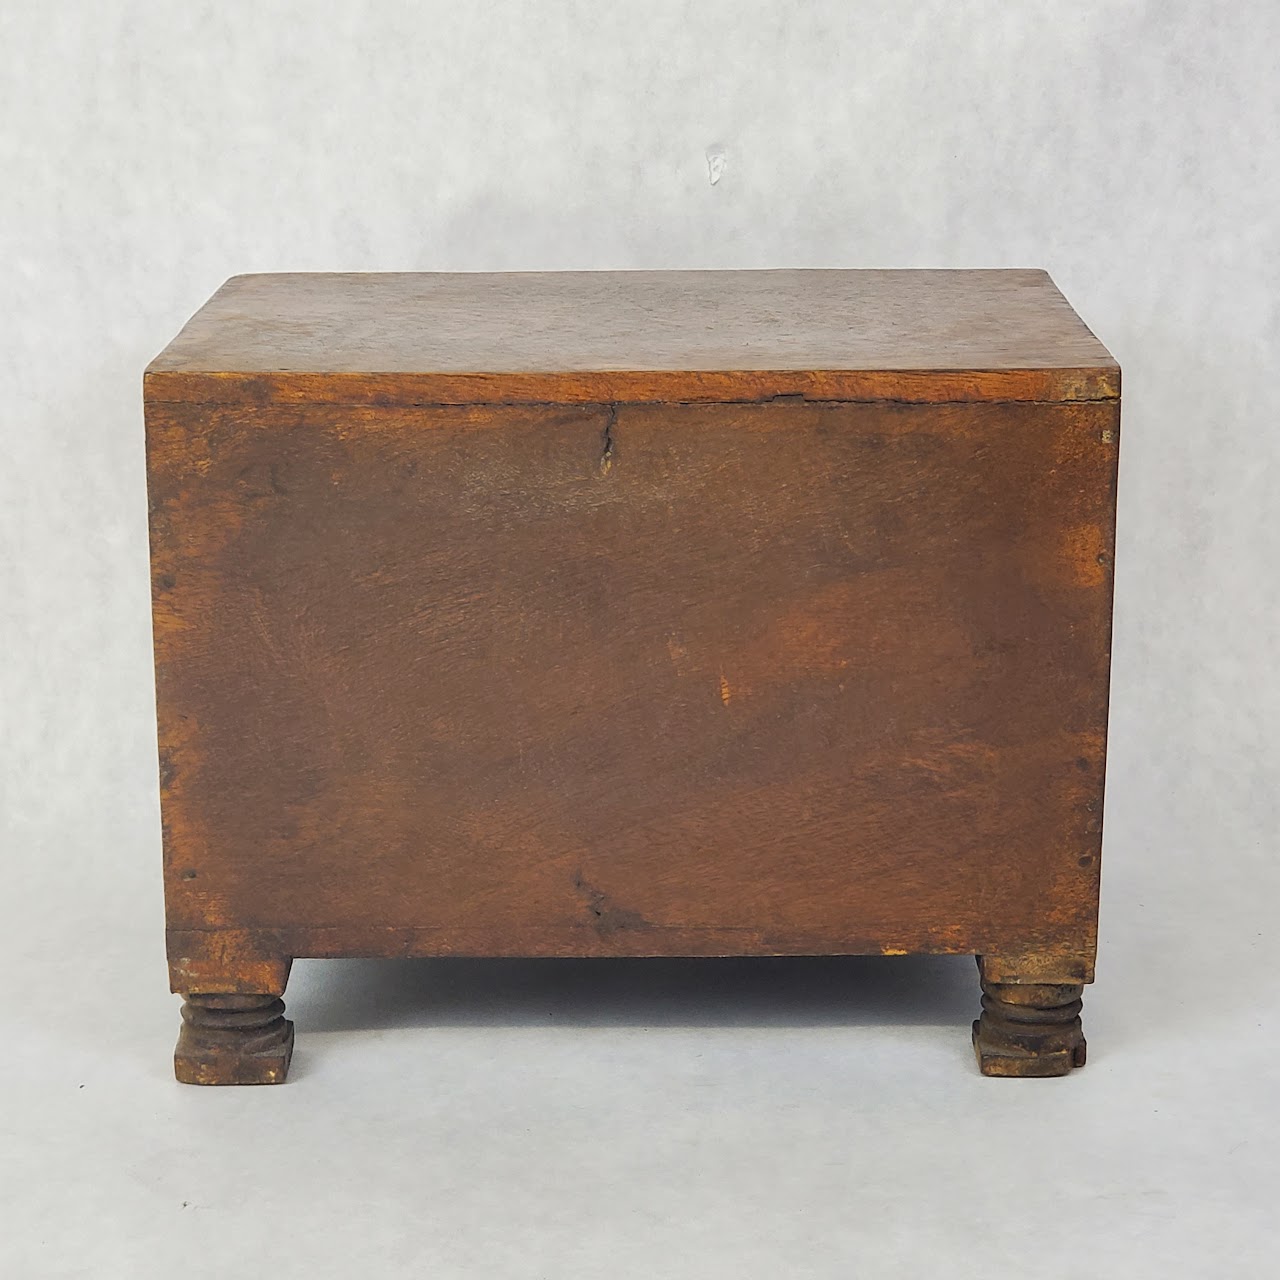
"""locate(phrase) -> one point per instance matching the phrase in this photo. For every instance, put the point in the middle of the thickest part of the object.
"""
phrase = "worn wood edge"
(214, 955)
(1039, 966)
(405, 390)
(225, 963)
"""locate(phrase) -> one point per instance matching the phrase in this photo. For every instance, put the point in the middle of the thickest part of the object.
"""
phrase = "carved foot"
(1029, 1029)
(233, 1039)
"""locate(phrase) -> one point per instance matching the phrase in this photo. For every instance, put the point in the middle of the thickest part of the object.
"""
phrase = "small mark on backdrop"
(717, 159)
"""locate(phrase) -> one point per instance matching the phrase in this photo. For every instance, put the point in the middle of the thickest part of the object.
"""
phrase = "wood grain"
(633, 679)
(600, 337)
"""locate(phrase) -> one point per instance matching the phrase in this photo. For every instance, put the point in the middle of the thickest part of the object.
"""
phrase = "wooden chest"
(639, 613)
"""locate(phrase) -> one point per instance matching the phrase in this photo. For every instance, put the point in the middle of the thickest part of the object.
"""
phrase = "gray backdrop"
(670, 1119)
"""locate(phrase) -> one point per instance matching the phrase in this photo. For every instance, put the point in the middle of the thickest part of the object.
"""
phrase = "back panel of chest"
(634, 678)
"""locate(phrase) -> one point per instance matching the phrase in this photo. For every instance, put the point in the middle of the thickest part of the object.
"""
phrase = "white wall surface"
(625, 1120)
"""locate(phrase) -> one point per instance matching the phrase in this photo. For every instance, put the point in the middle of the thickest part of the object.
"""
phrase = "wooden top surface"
(923, 336)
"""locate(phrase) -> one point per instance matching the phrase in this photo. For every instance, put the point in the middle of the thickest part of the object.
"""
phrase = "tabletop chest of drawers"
(599, 614)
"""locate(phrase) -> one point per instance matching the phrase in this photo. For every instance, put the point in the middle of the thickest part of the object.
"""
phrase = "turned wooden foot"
(233, 1039)
(1029, 1029)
